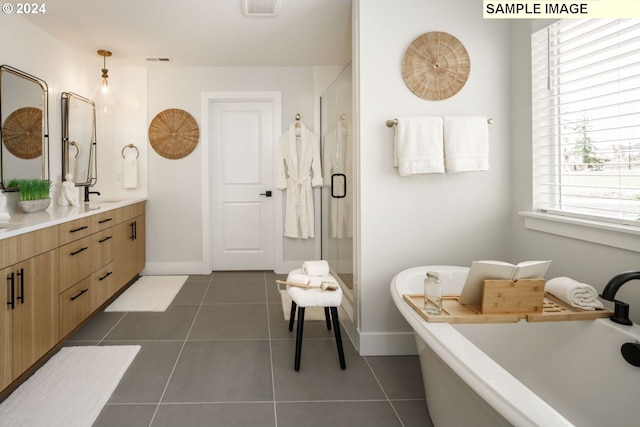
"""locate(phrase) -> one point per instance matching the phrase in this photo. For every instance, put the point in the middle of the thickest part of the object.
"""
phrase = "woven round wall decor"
(22, 133)
(436, 66)
(173, 133)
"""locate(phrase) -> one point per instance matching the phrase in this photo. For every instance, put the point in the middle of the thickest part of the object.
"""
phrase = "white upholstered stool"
(330, 300)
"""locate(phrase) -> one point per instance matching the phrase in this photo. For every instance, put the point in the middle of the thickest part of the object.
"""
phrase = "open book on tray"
(483, 270)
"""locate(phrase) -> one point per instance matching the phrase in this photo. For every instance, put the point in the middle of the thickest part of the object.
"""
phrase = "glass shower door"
(337, 193)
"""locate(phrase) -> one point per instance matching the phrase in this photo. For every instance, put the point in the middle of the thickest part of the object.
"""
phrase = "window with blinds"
(586, 119)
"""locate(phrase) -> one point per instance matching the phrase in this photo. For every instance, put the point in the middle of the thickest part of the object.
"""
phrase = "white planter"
(31, 206)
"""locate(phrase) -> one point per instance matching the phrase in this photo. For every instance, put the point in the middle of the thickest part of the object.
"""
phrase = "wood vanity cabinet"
(29, 302)
(54, 278)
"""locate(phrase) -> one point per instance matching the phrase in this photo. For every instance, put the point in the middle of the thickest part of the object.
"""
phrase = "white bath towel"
(315, 268)
(130, 172)
(466, 143)
(418, 145)
(574, 293)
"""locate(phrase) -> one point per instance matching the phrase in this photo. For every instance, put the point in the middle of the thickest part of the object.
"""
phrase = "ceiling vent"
(260, 7)
(165, 59)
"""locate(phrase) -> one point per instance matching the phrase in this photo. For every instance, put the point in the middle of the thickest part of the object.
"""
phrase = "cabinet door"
(75, 306)
(139, 244)
(123, 236)
(35, 316)
(6, 349)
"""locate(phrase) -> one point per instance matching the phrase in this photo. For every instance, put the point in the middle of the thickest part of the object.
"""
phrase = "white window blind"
(586, 119)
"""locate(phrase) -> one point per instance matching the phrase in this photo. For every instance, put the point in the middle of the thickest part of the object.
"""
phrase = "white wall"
(174, 220)
(587, 262)
(421, 220)
(29, 49)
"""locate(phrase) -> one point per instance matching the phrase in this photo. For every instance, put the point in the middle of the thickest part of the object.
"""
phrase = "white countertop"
(21, 223)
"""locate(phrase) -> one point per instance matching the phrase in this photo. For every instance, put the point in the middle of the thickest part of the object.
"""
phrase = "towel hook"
(130, 146)
(77, 148)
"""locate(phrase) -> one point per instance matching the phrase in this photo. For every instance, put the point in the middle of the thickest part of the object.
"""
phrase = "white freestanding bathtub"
(547, 374)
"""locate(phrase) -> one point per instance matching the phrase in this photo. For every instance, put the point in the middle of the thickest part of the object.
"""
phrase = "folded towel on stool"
(315, 297)
(303, 279)
(315, 268)
(574, 293)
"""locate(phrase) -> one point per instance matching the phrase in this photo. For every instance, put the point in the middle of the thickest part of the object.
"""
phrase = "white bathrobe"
(337, 159)
(297, 159)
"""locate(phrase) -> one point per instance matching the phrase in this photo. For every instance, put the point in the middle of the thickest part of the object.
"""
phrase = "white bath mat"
(310, 313)
(70, 389)
(149, 293)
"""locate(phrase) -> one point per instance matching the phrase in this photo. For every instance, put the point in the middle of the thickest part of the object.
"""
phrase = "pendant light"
(105, 72)
(103, 94)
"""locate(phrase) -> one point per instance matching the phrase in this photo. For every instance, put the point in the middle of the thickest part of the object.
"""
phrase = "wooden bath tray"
(454, 312)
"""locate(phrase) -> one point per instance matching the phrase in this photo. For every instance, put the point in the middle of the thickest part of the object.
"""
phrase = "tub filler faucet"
(621, 310)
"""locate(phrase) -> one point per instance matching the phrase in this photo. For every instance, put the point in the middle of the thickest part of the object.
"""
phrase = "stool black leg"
(327, 317)
(292, 315)
(336, 329)
(299, 337)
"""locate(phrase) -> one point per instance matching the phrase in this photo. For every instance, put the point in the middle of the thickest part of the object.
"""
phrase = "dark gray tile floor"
(222, 355)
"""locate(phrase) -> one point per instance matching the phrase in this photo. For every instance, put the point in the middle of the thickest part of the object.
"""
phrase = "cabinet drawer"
(101, 248)
(74, 262)
(5, 256)
(102, 221)
(74, 230)
(127, 212)
(34, 243)
(75, 306)
(103, 286)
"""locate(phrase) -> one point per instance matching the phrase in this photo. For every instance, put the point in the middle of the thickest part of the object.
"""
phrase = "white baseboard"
(172, 268)
(387, 344)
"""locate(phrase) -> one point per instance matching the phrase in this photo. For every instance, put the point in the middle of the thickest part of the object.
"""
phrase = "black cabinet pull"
(78, 295)
(105, 276)
(133, 230)
(79, 250)
(11, 279)
(78, 229)
(105, 220)
(105, 239)
(20, 297)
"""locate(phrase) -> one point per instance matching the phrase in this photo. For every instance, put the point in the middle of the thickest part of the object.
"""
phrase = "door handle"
(334, 186)
(266, 193)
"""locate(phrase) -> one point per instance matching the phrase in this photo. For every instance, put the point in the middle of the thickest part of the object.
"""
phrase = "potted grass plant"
(34, 194)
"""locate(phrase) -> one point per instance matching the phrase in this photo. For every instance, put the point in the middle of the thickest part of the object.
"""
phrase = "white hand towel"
(316, 268)
(302, 279)
(574, 293)
(466, 143)
(418, 145)
(130, 172)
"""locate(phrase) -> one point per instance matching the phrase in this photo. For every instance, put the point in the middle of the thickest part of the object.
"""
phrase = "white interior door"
(242, 211)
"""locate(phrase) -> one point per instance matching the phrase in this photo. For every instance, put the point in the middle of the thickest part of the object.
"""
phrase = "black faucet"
(621, 310)
(87, 192)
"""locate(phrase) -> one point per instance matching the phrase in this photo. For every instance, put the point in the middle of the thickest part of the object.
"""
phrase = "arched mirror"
(24, 124)
(79, 139)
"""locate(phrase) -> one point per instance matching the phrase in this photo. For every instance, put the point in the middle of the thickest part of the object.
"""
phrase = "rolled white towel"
(574, 293)
(316, 268)
(302, 279)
